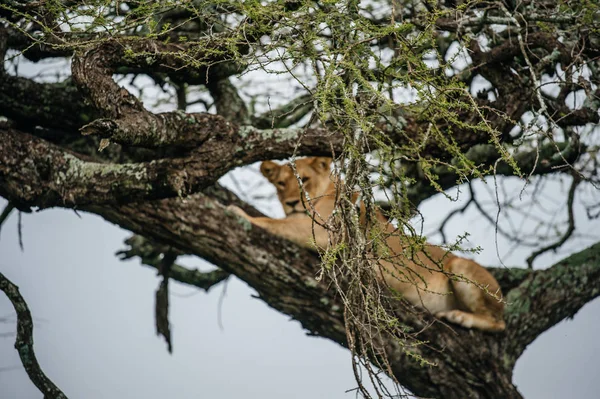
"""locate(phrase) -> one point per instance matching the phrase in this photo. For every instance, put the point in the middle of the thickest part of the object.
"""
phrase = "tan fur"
(415, 276)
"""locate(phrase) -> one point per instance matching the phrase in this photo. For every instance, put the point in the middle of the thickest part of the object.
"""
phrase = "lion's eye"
(281, 184)
(304, 179)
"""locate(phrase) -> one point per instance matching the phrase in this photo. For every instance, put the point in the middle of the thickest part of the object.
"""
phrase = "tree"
(414, 98)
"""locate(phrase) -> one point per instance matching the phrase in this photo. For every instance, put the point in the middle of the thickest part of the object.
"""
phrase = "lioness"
(416, 278)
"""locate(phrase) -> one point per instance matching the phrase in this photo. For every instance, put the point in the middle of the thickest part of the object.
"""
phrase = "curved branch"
(287, 114)
(24, 341)
(126, 120)
(548, 296)
(570, 224)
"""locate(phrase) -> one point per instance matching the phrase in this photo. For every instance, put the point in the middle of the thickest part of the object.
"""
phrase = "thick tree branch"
(24, 342)
(274, 267)
(60, 178)
(283, 276)
(126, 120)
(37, 173)
(51, 105)
(548, 296)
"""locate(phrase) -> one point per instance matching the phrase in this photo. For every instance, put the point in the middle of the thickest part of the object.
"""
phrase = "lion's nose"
(293, 203)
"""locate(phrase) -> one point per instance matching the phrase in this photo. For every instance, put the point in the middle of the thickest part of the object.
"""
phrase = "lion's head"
(315, 176)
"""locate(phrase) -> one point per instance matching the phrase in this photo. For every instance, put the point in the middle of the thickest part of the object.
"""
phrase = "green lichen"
(311, 282)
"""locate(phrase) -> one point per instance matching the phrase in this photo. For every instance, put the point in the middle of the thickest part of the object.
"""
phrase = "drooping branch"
(24, 341)
(151, 254)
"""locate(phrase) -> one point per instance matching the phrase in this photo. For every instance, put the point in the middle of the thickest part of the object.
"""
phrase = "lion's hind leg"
(478, 293)
(482, 322)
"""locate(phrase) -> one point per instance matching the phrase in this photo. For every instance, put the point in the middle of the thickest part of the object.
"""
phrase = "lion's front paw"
(238, 211)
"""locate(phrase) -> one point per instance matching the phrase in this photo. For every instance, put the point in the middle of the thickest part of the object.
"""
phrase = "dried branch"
(24, 341)
(151, 254)
(6, 213)
(286, 115)
(161, 307)
(570, 224)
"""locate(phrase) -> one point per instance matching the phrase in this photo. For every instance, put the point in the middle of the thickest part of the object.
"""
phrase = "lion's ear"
(270, 170)
(321, 164)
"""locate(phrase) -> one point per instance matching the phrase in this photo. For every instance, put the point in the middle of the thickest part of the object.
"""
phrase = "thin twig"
(571, 224)
(6, 213)
(20, 231)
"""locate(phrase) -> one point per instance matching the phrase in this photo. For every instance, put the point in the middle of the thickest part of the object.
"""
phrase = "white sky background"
(95, 337)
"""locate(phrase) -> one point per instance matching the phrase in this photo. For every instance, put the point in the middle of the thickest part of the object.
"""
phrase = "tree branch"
(286, 115)
(126, 120)
(548, 296)
(6, 213)
(549, 158)
(151, 253)
(63, 179)
(283, 275)
(24, 342)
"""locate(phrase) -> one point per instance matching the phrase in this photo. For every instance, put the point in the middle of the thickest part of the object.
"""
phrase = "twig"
(24, 341)
(150, 254)
(450, 216)
(20, 231)
(6, 213)
(570, 228)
